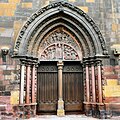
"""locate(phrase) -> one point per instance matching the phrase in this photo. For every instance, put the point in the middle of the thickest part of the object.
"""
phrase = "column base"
(108, 111)
(102, 112)
(88, 110)
(60, 110)
(94, 110)
(24, 111)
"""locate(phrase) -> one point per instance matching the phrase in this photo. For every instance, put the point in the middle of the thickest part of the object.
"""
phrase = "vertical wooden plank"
(56, 87)
(76, 85)
(64, 98)
(44, 86)
(38, 88)
(73, 85)
(51, 95)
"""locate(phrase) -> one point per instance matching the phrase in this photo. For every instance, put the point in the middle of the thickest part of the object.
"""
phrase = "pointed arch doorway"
(63, 38)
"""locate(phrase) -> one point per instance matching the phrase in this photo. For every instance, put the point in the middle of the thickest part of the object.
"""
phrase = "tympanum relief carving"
(59, 46)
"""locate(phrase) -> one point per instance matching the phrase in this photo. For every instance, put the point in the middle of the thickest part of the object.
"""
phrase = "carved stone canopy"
(79, 37)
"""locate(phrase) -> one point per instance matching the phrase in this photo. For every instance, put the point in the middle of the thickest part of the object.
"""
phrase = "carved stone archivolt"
(64, 8)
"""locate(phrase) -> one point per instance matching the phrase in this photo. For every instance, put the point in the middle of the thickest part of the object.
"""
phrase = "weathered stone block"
(112, 82)
(84, 8)
(8, 6)
(9, 12)
(112, 91)
(6, 82)
(10, 87)
(17, 27)
(111, 76)
(90, 1)
(2, 29)
(14, 99)
(4, 99)
(2, 88)
(114, 27)
(14, 1)
(11, 67)
(27, 5)
(72, 0)
(7, 72)
(1, 12)
(1, 82)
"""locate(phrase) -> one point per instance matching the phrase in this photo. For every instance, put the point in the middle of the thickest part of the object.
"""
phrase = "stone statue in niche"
(53, 52)
(59, 51)
(59, 36)
(73, 55)
(49, 53)
(67, 53)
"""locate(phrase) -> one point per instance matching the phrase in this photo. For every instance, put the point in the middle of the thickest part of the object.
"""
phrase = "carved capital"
(99, 63)
(60, 65)
(22, 62)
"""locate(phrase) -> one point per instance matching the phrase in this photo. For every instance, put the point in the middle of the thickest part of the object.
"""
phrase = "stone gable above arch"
(54, 16)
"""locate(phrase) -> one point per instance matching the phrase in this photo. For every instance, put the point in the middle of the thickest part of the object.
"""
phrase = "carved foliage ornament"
(60, 4)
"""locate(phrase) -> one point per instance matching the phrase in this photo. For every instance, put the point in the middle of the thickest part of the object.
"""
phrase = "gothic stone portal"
(67, 38)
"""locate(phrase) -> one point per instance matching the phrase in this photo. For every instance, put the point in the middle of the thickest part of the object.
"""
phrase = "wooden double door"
(47, 87)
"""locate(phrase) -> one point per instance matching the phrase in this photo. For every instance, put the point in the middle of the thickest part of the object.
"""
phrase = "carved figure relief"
(59, 46)
(59, 51)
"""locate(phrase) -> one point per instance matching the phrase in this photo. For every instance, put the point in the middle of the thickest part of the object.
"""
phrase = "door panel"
(47, 91)
(47, 87)
(73, 86)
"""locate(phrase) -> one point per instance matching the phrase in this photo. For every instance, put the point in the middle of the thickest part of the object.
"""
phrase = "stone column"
(100, 94)
(87, 82)
(99, 81)
(60, 110)
(119, 60)
(21, 101)
(33, 84)
(93, 90)
(27, 84)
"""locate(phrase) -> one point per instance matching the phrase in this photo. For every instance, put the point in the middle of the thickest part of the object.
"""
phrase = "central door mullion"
(60, 110)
